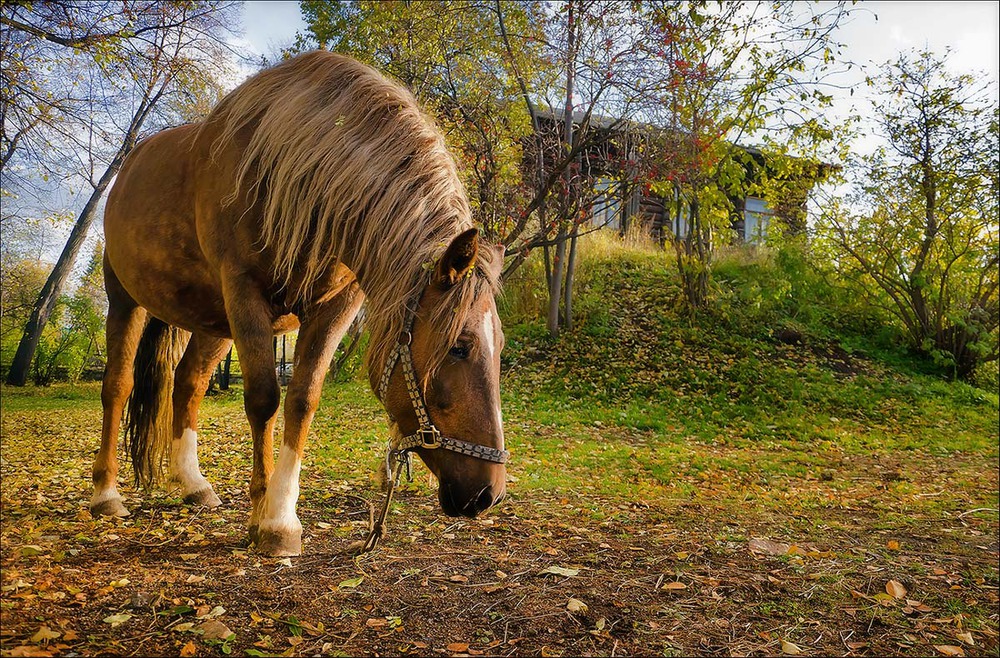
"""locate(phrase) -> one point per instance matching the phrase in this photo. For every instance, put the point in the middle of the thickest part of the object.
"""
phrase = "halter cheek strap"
(427, 435)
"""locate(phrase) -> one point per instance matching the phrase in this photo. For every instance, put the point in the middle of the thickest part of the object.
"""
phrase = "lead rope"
(377, 530)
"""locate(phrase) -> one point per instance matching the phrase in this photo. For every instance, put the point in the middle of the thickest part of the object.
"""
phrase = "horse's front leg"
(250, 317)
(194, 371)
(280, 532)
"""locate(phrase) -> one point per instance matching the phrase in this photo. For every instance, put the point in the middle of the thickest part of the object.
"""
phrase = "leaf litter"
(681, 576)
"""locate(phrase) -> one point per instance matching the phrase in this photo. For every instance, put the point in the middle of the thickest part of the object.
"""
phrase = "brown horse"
(314, 185)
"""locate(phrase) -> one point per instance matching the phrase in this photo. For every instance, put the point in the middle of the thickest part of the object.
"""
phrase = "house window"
(606, 205)
(757, 217)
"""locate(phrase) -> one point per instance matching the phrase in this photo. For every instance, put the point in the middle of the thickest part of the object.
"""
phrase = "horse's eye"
(459, 351)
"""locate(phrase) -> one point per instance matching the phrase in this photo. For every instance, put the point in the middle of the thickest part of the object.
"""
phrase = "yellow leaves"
(966, 637)
(790, 649)
(674, 585)
(559, 571)
(950, 650)
(576, 605)
(44, 635)
(351, 583)
(188, 650)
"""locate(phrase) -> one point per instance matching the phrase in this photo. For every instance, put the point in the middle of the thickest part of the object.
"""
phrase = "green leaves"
(351, 583)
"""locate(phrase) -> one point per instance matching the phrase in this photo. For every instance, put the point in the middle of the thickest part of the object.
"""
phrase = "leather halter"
(427, 435)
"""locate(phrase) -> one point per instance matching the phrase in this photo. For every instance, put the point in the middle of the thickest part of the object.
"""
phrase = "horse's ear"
(458, 259)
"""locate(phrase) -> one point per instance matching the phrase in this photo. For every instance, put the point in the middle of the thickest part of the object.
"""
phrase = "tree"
(133, 59)
(730, 72)
(920, 233)
(490, 72)
(450, 55)
(595, 46)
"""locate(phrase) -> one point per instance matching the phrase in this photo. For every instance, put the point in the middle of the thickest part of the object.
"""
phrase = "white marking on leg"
(282, 494)
(184, 463)
(104, 495)
(490, 332)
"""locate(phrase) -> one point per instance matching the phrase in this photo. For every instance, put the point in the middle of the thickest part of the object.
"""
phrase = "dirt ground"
(550, 574)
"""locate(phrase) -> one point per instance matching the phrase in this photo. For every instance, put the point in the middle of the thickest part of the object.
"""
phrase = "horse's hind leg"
(124, 329)
(280, 531)
(194, 371)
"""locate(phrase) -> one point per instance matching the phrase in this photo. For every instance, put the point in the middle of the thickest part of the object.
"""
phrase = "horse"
(313, 186)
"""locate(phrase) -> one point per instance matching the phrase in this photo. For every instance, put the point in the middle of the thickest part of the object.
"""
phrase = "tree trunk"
(570, 271)
(555, 284)
(20, 366)
(558, 264)
(224, 379)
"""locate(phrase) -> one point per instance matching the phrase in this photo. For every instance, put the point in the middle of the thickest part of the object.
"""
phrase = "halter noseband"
(427, 435)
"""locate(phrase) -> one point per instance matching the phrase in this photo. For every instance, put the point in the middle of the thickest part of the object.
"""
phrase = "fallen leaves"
(44, 635)
(351, 583)
(606, 553)
(214, 630)
(950, 649)
(117, 620)
(568, 572)
(895, 589)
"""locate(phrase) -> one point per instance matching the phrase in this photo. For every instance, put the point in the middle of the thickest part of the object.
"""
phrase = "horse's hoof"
(204, 497)
(254, 533)
(109, 507)
(279, 544)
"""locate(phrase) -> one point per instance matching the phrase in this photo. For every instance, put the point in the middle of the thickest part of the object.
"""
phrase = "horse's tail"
(149, 416)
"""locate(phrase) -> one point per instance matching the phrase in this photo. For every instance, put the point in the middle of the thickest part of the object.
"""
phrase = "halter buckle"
(430, 437)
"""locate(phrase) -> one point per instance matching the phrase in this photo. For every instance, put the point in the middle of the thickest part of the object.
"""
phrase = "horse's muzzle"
(456, 503)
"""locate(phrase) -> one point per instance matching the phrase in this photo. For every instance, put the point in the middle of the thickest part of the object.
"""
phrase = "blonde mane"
(351, 171)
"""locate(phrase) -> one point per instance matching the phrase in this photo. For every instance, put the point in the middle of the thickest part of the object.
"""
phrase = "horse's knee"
(261, 402)
(300, 404)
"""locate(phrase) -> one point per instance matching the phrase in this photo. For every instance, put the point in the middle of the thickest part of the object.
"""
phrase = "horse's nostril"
(485, 500)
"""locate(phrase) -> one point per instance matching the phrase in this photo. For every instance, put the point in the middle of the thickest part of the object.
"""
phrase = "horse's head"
(455, 344)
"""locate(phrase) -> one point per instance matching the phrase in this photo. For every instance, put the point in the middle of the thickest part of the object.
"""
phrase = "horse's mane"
(350, 170)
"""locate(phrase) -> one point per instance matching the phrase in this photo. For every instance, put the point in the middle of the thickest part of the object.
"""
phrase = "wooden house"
(622, 198)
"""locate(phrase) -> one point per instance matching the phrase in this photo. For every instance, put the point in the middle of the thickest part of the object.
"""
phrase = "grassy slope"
(649, 448)
(719, 397)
